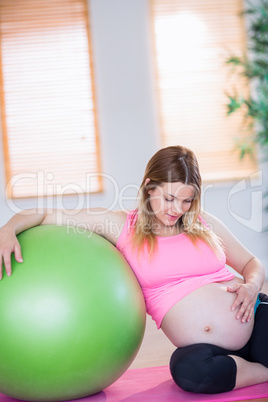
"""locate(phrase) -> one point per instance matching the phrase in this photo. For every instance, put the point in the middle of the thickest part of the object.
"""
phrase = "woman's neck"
(167, 231)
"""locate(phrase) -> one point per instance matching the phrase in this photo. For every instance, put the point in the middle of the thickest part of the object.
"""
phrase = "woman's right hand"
(8, 244)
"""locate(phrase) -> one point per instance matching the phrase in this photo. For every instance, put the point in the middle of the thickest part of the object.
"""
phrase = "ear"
(147, 181)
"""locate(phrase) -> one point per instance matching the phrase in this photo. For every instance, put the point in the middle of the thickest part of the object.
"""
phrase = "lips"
(172, 217)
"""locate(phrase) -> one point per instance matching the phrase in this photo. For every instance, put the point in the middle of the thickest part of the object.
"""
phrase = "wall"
(129, 132)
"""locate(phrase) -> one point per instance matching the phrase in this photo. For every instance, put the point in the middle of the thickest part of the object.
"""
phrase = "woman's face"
(170, 201)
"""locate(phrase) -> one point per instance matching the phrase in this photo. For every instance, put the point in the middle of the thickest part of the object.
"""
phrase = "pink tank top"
(176, 268)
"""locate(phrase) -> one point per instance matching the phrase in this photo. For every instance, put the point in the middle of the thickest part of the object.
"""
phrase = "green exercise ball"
(72, 316)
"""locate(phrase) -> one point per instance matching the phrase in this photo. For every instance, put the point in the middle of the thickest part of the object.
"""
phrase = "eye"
(169, 200)
(188, 201)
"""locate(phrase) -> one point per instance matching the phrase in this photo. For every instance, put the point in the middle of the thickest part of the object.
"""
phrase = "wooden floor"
(156, 349)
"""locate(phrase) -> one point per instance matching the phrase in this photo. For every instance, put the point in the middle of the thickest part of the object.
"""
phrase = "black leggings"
(206, 368)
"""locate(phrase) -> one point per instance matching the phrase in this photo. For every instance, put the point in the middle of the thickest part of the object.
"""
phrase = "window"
(47, 98)
(193, 39)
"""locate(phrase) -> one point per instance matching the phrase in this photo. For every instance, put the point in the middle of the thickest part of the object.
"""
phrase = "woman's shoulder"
(124, 221)
(120, 222)
(117, 218)
(108, 223)
(217, 226)
(208, 219)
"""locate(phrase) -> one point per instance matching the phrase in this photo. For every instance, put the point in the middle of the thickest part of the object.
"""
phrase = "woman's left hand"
(245, 300)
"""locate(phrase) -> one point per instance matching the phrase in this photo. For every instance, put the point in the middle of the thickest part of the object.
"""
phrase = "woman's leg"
(203, 368)
(258, 347)
(254, 373)
(249, 373)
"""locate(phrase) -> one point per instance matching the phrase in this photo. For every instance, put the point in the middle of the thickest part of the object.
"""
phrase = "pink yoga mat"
(155, 384)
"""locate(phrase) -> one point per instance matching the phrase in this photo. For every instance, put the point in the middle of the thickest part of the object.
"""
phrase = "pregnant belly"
(205, 316)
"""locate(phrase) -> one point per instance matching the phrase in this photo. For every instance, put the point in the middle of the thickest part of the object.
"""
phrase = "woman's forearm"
(254, 273)
(24, 220)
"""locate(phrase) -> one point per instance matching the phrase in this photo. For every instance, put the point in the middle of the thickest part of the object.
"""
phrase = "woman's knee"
(203, 368)
(258, 341)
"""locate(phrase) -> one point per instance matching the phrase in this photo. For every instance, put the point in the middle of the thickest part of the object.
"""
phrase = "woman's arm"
(104, 222)
(245, 263)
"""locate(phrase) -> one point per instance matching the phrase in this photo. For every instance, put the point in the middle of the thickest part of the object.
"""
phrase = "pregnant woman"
(218, 322)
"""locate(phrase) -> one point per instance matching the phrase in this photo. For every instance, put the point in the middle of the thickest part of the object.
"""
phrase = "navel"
(207, 329)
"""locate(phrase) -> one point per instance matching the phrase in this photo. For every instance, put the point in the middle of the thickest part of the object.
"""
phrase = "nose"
(177, 207)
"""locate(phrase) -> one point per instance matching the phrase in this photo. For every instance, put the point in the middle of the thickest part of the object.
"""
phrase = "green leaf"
(255, 70)
(234, 104)
(235, 60)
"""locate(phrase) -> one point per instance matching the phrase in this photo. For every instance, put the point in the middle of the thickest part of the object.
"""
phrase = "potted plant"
(253, 66)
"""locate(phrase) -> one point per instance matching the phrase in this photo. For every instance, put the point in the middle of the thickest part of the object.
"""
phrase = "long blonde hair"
(168, 165)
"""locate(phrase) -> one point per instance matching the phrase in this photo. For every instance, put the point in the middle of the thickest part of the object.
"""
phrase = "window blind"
(193, 40)
(47, 98)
